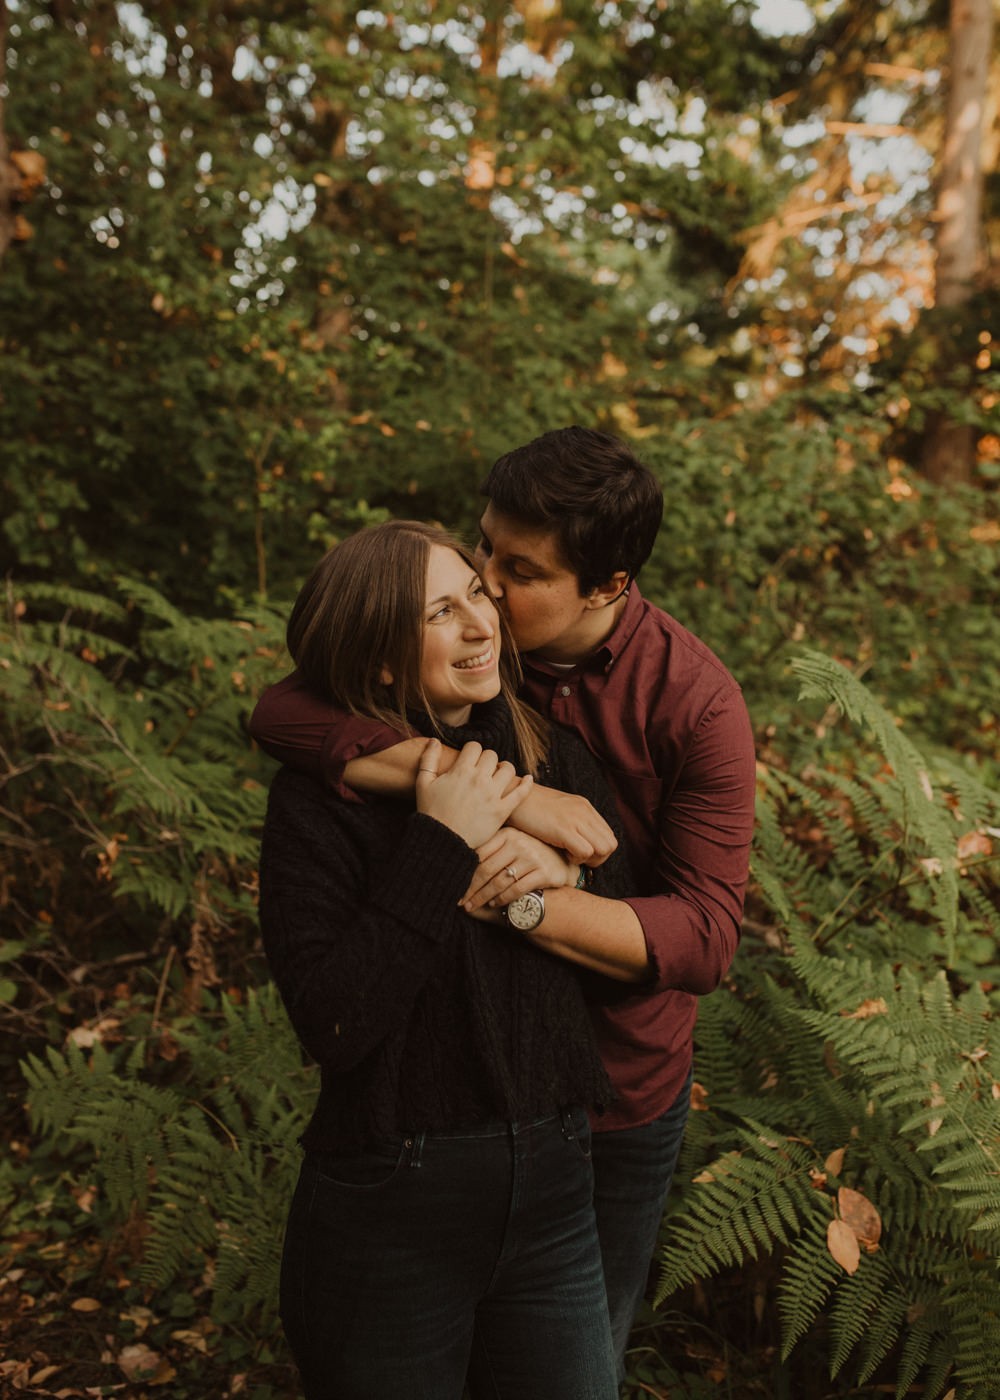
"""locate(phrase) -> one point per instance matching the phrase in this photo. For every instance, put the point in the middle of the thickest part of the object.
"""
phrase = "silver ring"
(511, 872)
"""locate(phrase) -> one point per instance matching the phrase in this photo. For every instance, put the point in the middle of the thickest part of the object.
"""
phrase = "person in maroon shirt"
(570, 519)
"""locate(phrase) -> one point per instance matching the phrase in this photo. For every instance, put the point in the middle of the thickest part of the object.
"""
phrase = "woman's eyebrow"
(474, 580)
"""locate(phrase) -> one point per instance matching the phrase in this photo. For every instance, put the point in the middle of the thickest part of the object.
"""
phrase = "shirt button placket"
(562, 702)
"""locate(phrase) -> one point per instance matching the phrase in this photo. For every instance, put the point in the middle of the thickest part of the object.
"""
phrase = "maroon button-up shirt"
(669, 725)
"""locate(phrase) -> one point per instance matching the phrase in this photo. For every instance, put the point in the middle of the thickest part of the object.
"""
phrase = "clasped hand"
(510, 864)
(475, 797)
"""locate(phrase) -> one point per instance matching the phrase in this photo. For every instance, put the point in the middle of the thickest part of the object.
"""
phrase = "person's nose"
(491, 575)
(479, 623)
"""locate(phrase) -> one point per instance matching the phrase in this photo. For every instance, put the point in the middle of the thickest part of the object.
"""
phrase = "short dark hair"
(589, 488)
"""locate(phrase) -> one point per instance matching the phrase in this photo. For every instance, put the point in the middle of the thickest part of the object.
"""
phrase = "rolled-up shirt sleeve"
(704, 831)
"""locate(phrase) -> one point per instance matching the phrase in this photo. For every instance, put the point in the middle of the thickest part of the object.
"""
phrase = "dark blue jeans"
(441, 1254)
(633, 1168)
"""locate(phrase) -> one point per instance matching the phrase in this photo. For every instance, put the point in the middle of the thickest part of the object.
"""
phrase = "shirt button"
(565, 690)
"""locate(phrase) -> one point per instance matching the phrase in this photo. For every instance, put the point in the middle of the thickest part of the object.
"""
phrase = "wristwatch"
(527, 912)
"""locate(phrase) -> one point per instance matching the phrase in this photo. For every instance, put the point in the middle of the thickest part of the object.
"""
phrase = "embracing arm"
(561, 819)
(683, 936)
(586, 919)
(604, 935)
(352, 754)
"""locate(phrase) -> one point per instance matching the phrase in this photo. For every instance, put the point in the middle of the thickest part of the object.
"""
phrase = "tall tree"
(949, 452)
(301, 261)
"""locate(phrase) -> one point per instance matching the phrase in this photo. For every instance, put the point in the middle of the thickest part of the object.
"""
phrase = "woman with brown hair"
(442, 1227)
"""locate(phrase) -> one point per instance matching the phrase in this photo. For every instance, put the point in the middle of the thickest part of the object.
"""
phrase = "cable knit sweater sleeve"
(351, 949)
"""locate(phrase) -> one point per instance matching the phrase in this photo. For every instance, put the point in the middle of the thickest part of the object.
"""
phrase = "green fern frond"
(859, 1299)
(97, 605)
(808, 1277)
(925, 822)
(744, 1204)
(209, 1160)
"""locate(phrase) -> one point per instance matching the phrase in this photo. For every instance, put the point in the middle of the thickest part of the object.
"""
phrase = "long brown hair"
(359, 614)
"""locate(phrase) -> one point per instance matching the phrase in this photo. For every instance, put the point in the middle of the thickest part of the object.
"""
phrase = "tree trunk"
(950, 448)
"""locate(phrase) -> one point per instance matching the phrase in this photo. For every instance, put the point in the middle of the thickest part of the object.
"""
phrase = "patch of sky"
(783, 17)
(804, 133)
(451, 35)
(686, 153)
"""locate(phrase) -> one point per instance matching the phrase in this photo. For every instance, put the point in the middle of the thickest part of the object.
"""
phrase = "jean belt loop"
(413, 1145)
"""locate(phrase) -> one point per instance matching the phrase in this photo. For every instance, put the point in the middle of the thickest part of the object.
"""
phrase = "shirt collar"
(610, 650)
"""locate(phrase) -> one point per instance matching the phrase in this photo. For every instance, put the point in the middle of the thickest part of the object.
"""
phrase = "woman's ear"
(385, 676)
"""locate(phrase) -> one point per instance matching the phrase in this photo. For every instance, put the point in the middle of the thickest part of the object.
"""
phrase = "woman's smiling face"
(459, 662)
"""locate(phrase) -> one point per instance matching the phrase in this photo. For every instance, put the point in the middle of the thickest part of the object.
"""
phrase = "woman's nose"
(478, 623)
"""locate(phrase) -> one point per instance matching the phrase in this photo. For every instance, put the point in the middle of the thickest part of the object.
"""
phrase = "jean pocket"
(576, 1131)
(376, 1166)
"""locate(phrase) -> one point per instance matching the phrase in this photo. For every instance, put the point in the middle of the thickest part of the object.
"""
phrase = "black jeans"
(633, 1168)
(444, 1254)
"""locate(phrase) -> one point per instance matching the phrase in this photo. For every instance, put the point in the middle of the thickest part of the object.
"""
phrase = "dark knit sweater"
(420, 1016)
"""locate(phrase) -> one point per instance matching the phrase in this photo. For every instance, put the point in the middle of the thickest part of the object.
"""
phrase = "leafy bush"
(132, 796)
(849, 1129)
(793, 525)
(202, 1146)
(848, 1080)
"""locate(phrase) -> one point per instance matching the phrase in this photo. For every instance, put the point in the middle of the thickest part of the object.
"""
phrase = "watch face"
(527, 912)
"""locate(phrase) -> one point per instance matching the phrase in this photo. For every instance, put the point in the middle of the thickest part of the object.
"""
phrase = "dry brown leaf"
(843, 1245)
(141, 1363)
(834, 1164)
(85, 1305)
(860, 1215)
(190, 1338)
(872, 1006)
(30, 165)
(936, 1100)
(43, 1375)
(699, 1097)
(139, 1317)
(974, 843)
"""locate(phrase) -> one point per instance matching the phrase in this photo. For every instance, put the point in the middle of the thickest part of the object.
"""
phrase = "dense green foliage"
(860, 1052)
(281, 269)
(860, 1006)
